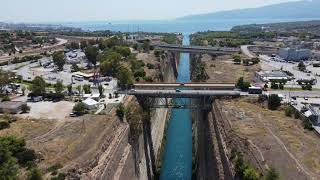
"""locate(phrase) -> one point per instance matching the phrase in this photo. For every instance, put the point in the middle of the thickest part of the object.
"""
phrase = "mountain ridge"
(296, 9)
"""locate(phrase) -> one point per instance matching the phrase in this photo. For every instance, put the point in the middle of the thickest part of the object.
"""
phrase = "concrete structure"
(290, 54)
(206, 86)
(179, 93)
(197, 49)
(11, 107)
(267, 76)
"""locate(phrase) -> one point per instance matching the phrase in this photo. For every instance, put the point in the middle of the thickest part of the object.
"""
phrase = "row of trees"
(237, 59)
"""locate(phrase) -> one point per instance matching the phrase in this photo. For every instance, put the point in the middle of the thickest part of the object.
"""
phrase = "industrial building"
(291, 54)
(267, 76)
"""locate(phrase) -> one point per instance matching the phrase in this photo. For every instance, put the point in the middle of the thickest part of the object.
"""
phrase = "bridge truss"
(201, 103)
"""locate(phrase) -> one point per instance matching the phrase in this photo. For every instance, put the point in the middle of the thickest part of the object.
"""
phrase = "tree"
(146, 46)
(69, 87)
(59, 60)
(38, 86)
(124, 51)
(274, 102)
(272, 174)
(5, 79)
(83, 44)
(23, 89)
(34, 174)
(243, 85)
(6, 98)
(236, 58)
(125, 77)
(79, 109)
(87, 89)
(250, 174)
(301, 66)
(25, 108)
(58, 87)
(75, 68)
(101, 90)
(92, 54)
(79, 88)
(8, 165)
(120, 111)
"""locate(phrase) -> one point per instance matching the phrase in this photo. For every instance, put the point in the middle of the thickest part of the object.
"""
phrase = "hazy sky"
(90, 10)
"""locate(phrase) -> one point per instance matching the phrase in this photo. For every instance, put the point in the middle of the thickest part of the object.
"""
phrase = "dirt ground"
(148, 58)
(281, 141)
(75, 143)
(49, 110)
(222, 70)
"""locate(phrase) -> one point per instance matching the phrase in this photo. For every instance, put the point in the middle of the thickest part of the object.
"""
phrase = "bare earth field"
(75, 143)
(281, 141)
(222, 70)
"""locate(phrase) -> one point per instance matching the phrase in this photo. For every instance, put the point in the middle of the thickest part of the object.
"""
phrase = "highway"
(180, 93)
(185, 85)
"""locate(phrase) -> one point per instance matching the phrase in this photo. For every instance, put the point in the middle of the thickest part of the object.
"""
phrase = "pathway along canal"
(177, 161)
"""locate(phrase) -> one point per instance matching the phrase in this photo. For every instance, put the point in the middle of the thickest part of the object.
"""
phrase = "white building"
(290, 54)
(90, 103)
(267, 76)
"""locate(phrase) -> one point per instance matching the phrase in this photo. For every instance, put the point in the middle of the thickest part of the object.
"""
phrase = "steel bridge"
(163, 98)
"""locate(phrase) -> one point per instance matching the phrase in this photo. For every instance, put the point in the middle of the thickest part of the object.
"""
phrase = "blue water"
(177, 162)
(173, 26)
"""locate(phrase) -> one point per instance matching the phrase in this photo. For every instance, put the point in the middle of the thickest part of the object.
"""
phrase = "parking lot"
(267, 64)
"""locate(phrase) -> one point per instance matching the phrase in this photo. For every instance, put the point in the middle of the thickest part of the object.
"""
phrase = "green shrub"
(274, 102)
(34, 174)
(289, 111)
(120, 111)
(272, 174)
(25, 156)
(79, 109)
(4, 125)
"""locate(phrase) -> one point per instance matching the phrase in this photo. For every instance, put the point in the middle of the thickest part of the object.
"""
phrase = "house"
(90, 103)
(11, 107)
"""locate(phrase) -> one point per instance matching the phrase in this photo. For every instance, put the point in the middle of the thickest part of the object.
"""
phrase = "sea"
(173, 26)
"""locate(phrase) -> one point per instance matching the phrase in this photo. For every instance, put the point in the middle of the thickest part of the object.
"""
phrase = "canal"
(177, 161)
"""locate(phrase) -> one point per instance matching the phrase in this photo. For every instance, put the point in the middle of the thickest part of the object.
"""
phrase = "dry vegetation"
(222, 70)
(74, 143)
(278, 139)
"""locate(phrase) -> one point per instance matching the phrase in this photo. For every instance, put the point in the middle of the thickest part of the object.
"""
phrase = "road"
(185, 85)
(245, 50)
(57, 46)
(180, 93)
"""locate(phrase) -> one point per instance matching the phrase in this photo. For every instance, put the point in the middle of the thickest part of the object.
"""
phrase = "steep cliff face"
(139, 162)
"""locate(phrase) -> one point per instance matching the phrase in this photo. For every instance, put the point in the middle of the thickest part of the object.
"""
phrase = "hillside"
(300, 27)
(290, 10)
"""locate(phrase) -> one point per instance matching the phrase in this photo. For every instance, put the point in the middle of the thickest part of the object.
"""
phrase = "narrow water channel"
(177, 162)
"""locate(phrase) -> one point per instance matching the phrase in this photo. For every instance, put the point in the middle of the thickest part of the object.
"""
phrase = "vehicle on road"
(255, 90)
(178, 90)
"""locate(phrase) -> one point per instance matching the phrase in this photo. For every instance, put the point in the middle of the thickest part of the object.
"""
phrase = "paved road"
(297, 93)
(186, 85)
(197, 49)
(57, 46)
(181, 94)
(245, 50)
